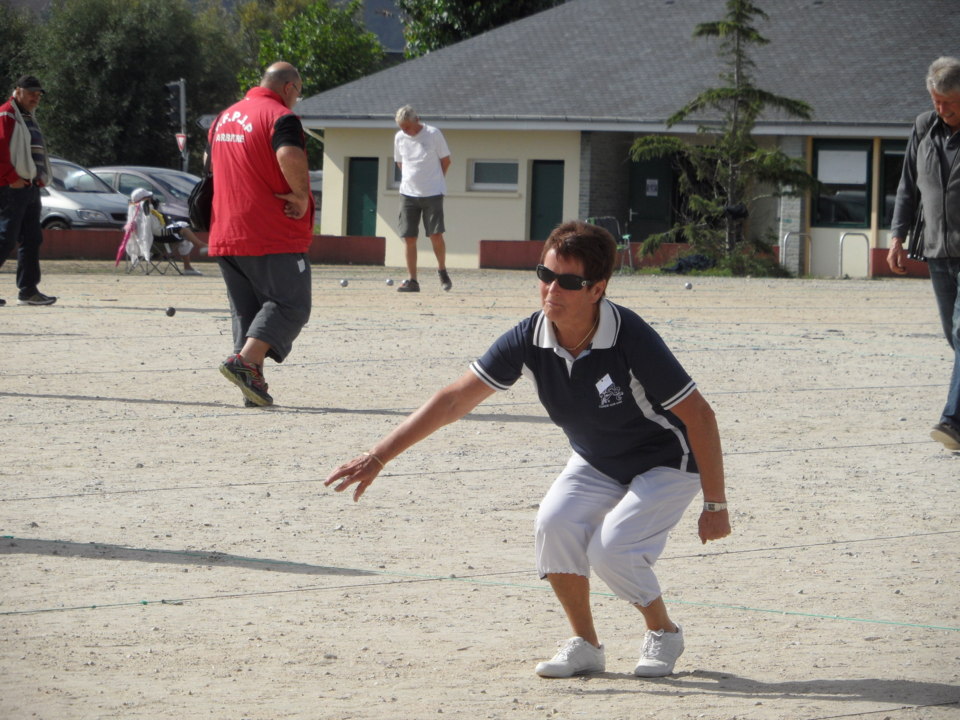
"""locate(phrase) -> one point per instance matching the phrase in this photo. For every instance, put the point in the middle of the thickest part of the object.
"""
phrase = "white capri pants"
(588, 519)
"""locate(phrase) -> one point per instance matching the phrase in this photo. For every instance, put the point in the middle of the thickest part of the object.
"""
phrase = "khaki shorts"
(412, 208)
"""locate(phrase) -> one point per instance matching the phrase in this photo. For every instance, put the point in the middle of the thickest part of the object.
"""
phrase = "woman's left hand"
(713, 525)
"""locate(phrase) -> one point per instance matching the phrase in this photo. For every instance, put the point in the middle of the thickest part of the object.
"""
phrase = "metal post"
(184, 154)
(854, 234)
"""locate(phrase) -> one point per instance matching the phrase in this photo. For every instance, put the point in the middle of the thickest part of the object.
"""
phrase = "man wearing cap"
(24, 169)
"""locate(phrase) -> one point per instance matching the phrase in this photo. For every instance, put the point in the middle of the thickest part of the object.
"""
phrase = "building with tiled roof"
(539, 115)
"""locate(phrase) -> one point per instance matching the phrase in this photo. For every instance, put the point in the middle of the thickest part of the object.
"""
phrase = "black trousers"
(20, 225)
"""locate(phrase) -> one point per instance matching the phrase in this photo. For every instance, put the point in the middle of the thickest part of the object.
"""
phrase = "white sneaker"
(659, 653)
(576, 656)
(192, 271)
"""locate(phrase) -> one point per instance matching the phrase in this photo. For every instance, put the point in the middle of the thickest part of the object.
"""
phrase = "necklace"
(589, 333)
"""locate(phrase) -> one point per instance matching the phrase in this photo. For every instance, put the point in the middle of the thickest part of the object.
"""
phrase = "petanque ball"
(689, 286)
(344, 283)
(389, 281)
(171, 311)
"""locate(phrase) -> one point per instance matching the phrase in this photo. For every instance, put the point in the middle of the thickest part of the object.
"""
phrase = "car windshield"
(73, 178)
(178, 185)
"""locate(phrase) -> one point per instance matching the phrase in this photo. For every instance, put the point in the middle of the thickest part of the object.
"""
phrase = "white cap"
(140, 194)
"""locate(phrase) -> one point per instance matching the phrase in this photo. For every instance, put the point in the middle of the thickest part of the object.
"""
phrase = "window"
(393, 181)
(891, 165)
(843, 169)
(495, 175)
(129, 183)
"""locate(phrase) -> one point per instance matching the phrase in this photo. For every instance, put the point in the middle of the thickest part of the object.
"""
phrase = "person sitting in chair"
(179, 232)
(150, 226)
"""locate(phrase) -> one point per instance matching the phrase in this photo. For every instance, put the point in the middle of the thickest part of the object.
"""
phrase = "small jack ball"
(344, 283)
(389, 281)
(171, 311)
(689, 286)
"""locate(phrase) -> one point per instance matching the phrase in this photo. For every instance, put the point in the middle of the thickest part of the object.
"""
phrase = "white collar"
(608, 327)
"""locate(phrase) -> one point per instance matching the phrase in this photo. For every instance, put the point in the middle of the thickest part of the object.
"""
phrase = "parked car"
(170, 187)
(76, 198)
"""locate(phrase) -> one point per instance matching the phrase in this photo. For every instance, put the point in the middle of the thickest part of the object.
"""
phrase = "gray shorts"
(411, 208)
(269, 299)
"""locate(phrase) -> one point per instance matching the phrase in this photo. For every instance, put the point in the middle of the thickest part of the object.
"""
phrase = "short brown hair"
(592, 245)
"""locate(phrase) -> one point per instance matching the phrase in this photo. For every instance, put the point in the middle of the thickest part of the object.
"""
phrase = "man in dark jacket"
(931, 175)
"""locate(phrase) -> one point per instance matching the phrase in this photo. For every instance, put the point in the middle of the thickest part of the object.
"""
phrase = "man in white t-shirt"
(422, 155)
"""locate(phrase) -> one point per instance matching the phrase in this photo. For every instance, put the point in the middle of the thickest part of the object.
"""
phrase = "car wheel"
(56, 225)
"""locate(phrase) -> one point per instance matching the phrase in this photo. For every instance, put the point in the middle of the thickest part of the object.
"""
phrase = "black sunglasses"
(566, 281)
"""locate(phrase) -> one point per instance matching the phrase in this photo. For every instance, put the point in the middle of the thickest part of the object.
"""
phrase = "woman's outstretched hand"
(361, 470)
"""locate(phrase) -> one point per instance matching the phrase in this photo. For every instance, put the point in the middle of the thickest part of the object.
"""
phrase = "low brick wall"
(525, 254)
(879, 267)
(80, 244)
(103, 244)
(348, 250)
(510, 254)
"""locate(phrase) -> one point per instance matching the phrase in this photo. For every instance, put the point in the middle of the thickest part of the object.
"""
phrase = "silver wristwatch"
(714, 506)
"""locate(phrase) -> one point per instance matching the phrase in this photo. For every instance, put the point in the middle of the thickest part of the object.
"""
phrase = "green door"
(651, 198)
(362, 196)
(546, 198)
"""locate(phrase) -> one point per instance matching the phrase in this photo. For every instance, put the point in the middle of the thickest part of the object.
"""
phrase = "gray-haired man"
(423, 157)
(931, 174)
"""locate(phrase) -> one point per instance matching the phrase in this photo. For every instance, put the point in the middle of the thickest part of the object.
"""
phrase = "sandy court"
(167, 553)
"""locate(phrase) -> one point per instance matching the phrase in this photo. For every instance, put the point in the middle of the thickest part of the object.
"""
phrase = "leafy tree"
(218, 54)
(326, 43)
(14, 60)
(105, 64)
(725, 172)
(254, 17)
(433, 24)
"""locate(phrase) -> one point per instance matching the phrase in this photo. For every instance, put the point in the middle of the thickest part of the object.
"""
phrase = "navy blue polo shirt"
(613, 402)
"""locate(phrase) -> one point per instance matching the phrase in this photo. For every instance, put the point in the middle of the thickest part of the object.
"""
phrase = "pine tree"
(724, 171)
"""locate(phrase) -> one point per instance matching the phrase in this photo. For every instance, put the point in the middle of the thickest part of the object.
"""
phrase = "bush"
(741, 265)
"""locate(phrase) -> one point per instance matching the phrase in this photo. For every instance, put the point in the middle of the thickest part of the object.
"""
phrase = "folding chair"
(160, 256)
(163, 255)
(612, 226)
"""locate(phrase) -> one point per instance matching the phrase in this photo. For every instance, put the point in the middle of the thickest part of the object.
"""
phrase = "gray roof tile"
(857, 62)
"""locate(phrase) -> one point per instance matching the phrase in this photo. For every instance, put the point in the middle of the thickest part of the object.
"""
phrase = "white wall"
(470, 216)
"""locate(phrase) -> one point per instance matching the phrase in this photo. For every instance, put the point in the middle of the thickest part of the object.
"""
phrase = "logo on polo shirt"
(610, 395)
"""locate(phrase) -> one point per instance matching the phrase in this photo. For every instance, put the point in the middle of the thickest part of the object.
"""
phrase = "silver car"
(170, 187)
(76, 198)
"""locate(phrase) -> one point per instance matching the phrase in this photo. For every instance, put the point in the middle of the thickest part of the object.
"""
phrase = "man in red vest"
(262, 225)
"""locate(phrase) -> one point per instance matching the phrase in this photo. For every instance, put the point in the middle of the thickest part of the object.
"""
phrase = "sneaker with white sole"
(192, 271)
(249, 378)
(659, 653)
(576, 657)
